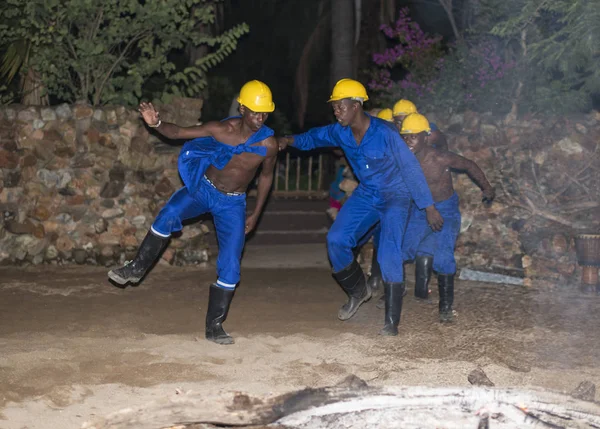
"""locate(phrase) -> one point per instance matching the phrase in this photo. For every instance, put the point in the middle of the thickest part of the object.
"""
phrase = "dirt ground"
(74, 348)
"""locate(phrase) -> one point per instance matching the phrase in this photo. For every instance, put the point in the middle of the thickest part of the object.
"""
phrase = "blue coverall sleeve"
(315, 138)
(411, 171)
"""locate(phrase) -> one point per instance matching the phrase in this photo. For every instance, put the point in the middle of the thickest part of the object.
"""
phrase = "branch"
(117, 61)
(537, 183)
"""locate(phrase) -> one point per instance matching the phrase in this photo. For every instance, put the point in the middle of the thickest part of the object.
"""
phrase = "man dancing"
(390, 176)
(216, 168)
(434, 250)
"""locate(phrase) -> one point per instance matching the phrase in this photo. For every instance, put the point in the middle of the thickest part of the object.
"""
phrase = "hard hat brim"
(258, 109)
(363, 99)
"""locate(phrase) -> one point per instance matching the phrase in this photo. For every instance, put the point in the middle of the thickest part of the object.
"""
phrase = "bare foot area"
(75, 348)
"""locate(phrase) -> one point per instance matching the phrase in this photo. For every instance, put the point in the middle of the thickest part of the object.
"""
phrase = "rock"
(28, 115)
(38, 124)
(169, 255)
(40, 213)
(99, 115)
(581, 128)
(478, 377)
(82, 111)
(106, 256)
(586, 391)
(8, 159)
(48, 114)
(112, 189)
(100, 226)
(64, 244)
(569, 146)
(63, 111)
(112, 213)
(80, 256)
(12, 179)
(51, 253)
(16, 227)
(139, 221)
(164, 188)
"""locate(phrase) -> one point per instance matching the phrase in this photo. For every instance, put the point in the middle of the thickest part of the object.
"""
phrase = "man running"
(434, 250)
(390, 176)
(216, 168)
(403, 108)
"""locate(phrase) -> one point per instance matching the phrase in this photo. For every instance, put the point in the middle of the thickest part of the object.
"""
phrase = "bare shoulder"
(271, 144)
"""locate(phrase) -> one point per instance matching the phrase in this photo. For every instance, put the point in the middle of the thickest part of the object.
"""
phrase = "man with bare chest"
(433, 250)
(216, 168)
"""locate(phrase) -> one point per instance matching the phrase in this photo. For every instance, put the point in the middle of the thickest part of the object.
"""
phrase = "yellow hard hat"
(256, 96)
(386, 115)
(414, 124)
(348, 88)
(404, 107)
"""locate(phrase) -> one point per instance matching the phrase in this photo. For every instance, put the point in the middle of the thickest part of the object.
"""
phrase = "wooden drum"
(587, 247)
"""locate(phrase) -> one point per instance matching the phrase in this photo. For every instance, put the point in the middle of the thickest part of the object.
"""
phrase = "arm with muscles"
(458, 162)
(312, 139)
(265, 181)
(172, 131)
(413, 176)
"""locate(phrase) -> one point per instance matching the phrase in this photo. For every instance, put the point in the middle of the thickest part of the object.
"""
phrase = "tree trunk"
(342, 40)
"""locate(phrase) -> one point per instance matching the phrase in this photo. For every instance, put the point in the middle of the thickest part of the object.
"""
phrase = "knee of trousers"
(167, 222)
(338, 240)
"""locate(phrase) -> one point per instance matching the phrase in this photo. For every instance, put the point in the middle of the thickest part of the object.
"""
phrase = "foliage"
(471, 74)
(104, 52)
(534, 55)
(557, 50)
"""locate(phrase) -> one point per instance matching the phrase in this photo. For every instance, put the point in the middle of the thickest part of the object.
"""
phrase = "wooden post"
(310, 162)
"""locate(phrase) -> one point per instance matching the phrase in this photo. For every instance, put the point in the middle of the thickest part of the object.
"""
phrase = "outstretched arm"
(265, 181)
(312, 139)
(461, 163)
(172, 131)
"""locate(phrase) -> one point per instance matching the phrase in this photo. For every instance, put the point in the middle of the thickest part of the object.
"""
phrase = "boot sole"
(388, 332)
(222, 341)
(362, 301)
(122, 281)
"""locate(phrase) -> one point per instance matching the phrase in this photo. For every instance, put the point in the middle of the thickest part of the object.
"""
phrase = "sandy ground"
(73, 348)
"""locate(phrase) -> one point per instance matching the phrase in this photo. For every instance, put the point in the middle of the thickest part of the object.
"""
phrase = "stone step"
(286, 221)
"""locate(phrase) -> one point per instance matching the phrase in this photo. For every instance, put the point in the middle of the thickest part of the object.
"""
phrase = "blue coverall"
(421, 240)
(390, 176)
(200, 196)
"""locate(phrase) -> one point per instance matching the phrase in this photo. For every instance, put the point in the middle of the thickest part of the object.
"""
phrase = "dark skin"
(436, 138)
(241, 169)
(350, 113)
(437, 165)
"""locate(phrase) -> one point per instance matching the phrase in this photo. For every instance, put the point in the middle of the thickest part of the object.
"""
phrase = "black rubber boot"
(423, 267)
(352, 280)
(219, 300)
(133, 271)
(446, 290)
(375, 279)
(381, 300)
(393, 293)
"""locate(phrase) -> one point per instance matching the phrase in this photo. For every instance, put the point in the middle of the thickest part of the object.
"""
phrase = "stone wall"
(82, 184)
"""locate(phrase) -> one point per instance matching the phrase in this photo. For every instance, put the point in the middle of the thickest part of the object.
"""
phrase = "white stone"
(569, 146)
(48, 114)
(64, 111)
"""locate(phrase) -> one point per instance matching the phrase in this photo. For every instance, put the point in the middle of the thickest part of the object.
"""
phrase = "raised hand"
(149, 113)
